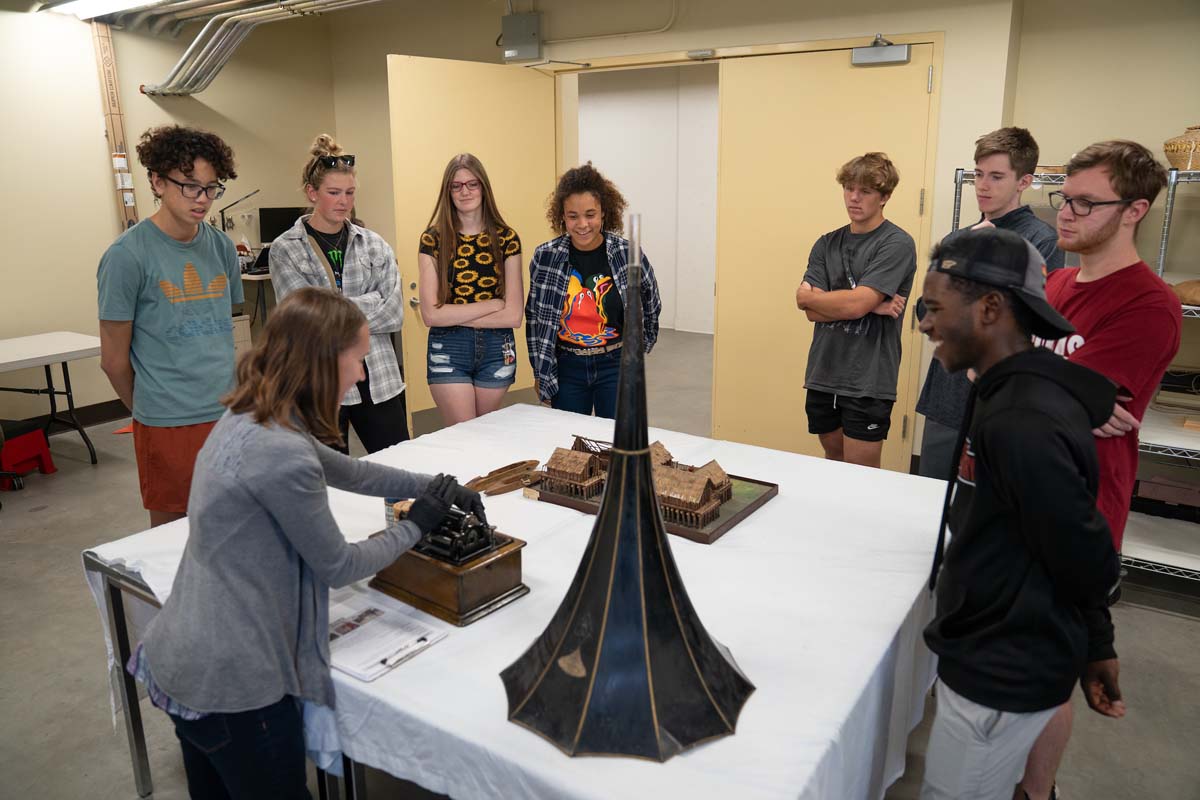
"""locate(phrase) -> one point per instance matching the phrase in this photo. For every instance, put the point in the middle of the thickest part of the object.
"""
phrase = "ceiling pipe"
(228, 51)
(222, 34)
(131, 18)
(233, 32)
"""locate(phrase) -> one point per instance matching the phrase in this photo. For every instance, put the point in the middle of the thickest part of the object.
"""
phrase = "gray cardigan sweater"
(247, 620)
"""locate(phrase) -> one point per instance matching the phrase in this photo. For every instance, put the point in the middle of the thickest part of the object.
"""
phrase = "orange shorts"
(165, 460)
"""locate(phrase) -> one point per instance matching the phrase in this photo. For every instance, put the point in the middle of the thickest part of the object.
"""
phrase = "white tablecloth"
(820, 595)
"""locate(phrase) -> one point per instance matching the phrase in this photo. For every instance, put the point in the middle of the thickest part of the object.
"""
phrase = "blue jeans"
(588, 382)
(485, 357)
(250, 754)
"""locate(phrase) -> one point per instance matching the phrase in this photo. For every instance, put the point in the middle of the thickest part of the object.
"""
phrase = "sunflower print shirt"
(473, 276)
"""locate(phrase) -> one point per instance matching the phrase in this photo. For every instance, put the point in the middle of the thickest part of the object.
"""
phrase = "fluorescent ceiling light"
(87, 9)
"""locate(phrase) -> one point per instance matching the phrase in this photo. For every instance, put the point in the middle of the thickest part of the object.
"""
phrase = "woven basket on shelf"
(1183, 151)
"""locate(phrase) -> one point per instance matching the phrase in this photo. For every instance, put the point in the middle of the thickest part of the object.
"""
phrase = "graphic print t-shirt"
(593, 313)
(333, 247)
(179, 296)
(1127, 328)
(859, 357)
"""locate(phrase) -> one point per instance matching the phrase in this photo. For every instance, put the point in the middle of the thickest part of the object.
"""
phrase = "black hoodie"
(1022, 596)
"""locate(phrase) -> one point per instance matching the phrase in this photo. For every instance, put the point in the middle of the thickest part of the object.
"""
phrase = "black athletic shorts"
(866, 419)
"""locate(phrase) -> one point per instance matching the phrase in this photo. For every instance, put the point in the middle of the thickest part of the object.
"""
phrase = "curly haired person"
(166, 291)
(573, 316)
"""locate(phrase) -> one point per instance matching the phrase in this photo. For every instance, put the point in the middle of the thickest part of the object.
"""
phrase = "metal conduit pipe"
(204, 40)
(229, 51)
(233, 32)
(221, 36)
(131, 18)
(177, 16)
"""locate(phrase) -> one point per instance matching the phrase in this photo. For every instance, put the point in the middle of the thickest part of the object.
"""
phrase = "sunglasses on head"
(329, 162)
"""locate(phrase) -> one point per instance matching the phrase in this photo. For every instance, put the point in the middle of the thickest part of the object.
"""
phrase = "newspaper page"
(366, 640)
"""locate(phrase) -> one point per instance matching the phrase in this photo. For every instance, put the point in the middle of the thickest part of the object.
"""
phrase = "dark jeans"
(251, 754)
(588, 382)
(378, 426)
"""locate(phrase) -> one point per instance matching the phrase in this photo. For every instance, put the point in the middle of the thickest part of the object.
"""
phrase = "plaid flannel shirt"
(370, 279)
(549, 275)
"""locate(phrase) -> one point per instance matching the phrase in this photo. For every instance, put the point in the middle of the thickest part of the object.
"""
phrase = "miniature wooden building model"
(575, 473)
(685, 496)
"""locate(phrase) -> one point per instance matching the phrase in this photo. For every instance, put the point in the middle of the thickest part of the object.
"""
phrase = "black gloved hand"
(431, 507)
(469, 501)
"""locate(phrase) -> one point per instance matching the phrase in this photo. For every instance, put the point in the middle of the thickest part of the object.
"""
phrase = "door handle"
(414, 301)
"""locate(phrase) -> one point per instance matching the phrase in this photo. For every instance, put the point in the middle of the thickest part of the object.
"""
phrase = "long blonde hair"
(446, 224)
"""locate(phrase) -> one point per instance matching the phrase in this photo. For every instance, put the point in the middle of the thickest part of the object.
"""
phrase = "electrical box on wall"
(521, 36)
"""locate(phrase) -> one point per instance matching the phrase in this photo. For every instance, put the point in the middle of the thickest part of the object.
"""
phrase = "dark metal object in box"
(460, 572)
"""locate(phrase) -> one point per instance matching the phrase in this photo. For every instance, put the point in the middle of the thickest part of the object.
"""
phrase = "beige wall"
(359, 44)
(1125, 70)
(58, 194)
(268, 103)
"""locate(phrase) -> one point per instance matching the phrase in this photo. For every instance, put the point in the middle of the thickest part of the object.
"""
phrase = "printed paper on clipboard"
(365, 640)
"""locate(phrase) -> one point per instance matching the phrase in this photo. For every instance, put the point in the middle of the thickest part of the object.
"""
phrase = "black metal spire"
(625, 667)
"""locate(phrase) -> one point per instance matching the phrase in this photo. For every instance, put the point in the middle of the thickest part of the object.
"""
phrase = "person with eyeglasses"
(327, 249)
(1128, 325)
(575, 314)
(472, 294)
(166, 291)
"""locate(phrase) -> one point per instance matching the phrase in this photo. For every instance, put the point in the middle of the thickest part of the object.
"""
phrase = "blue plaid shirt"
(549, 274)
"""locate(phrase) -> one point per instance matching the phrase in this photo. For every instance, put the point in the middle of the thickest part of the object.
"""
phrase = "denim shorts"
(485, 357)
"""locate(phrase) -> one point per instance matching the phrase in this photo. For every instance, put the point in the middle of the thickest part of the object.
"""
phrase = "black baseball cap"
(1003, 259)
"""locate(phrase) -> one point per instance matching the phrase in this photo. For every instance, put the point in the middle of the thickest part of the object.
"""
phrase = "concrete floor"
(56, 739)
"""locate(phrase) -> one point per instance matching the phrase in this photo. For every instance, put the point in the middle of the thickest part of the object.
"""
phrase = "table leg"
(127, 687)
(72, 423)
(327, 786)
(53, 403)
(354, 776)
(71, 411)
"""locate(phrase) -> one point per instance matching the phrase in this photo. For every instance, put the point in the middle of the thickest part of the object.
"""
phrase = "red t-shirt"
(1127, 328)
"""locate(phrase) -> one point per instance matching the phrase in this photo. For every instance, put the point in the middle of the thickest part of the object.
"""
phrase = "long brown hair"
(291, 375)
(445, 224)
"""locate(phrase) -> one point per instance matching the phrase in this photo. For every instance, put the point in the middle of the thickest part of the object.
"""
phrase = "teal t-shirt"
(180, 299)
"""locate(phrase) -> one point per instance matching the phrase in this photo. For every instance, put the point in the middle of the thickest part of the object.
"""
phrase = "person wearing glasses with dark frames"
(472, 295)
(327, 249)
(1127, 327)
(166, 291)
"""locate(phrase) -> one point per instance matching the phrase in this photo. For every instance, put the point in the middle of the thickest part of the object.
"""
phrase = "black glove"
(469, 501)
(431, 507)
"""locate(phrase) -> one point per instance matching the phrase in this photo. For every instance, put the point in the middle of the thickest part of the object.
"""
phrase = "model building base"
(748, 496)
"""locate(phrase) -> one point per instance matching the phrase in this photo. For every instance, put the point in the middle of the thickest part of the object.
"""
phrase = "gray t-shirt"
(944, 396)
(859, 357)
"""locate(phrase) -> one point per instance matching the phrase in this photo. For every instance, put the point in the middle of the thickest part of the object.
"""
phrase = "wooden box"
(462, 593)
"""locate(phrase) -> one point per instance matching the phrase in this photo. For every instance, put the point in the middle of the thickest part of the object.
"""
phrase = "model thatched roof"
(713, 470)
(681, 486)
(571, 462)
(660, 454)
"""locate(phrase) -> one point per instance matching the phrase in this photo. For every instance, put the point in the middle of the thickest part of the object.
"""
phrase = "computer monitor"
(274, 221)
